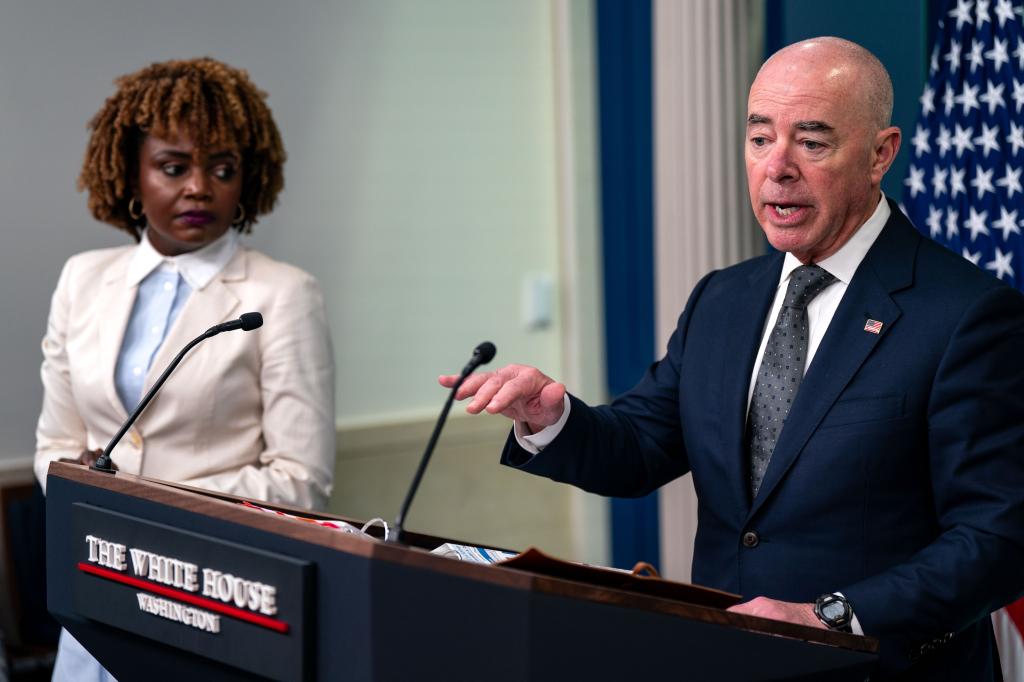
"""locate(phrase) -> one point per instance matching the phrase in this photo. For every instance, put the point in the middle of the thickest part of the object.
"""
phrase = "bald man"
(851, 407)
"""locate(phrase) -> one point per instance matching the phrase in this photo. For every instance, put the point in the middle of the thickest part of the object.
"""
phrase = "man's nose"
(780, 164)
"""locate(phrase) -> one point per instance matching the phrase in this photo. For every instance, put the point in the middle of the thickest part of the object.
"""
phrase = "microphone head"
(252, 321)
(484, 353)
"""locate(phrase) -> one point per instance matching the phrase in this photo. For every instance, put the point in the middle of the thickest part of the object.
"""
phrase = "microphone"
(246, 322)
(482, 354)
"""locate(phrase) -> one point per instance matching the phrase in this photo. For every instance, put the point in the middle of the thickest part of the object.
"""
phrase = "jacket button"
(750, 539)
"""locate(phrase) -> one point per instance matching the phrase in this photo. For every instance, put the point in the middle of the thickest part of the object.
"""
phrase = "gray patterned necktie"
(782, 369)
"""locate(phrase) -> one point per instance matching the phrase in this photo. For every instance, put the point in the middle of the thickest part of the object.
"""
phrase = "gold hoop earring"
(240, 218)
(136, 214)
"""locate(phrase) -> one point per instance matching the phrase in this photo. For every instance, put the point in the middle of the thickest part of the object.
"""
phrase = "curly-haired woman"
(184, 157)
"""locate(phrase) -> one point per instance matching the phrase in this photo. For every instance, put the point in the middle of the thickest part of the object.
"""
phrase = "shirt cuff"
(854, 623)
(535, 442)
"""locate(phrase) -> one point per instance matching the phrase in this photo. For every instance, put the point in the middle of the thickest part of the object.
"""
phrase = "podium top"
(560, 579)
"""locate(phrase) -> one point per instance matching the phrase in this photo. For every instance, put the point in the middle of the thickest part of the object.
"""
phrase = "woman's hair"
(213, 104)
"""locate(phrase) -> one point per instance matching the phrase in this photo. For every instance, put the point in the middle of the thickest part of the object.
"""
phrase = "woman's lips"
(196, 218)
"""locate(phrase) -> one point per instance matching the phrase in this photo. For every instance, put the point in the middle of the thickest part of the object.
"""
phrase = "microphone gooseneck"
(246, 322)
(482, 354)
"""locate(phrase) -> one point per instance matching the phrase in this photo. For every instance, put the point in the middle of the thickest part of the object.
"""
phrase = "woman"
(184, 157)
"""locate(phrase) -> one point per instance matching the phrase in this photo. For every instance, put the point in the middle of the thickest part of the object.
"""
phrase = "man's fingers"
(552, 397)
(448, 380)
(521, 387)
(483, 395)
(470, 386)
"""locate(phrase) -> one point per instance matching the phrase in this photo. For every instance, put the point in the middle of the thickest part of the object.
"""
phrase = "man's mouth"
(785, 212)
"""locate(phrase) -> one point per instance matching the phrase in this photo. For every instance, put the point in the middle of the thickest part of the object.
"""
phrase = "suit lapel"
(113, 311)
(887, 267)
(742, 338)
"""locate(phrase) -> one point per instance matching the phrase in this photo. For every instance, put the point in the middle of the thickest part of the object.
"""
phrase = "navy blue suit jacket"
(898, 478)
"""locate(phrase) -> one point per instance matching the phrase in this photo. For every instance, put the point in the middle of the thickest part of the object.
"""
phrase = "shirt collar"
(844, 263)
(196, 267)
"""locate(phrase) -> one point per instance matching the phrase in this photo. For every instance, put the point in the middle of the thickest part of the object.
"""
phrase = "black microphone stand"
(104, 463)
(481, 355)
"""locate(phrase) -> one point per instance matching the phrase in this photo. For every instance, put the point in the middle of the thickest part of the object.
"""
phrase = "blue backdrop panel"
(624, 48)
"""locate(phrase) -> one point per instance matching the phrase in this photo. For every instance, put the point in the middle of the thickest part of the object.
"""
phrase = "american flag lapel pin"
(873, 326)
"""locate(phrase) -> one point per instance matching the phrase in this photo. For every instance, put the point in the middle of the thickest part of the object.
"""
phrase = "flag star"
(962, 139)
(962, 12)
(943, 140)
(933, 64)
(998, 53)
(927, 100)
(993, 97)
(974, 56)
(983, 181)
(1007, 222)
(952, 225)
(1004, 11)
(1018, 94)
(915, 181)
(956, 182)
(953, 56)
(1019, 54)
(920, 141)
(987, 139)
(1016, 137)
(947, 100)
(1011, 181)
(939, 181)
(973, 257)
(969, 98)
(981, 12)
(1001, 263)
(976, 223)
(934, 221)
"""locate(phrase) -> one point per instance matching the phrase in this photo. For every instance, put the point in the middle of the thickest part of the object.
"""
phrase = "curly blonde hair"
(208, 101)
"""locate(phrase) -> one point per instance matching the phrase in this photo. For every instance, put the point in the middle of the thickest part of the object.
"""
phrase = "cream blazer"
(246, 413)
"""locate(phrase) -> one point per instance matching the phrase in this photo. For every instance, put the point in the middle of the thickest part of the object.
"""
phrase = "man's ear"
(886, 146)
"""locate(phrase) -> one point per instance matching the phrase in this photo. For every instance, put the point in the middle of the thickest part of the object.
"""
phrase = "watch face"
(833, 611)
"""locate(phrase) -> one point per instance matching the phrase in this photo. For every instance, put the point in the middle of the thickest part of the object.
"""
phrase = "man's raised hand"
(518, 392)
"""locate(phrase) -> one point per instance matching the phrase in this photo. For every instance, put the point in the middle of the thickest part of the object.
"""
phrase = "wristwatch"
(834, 611)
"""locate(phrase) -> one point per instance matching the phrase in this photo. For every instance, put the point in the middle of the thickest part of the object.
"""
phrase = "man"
(892, 501)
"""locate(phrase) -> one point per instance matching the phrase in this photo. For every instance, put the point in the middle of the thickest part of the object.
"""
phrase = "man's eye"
(812, 145)
(758, 141)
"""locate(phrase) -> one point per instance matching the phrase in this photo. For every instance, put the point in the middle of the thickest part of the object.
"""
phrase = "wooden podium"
(163, 582)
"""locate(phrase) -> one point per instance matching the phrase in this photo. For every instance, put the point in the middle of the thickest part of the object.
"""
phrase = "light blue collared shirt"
(164, 285)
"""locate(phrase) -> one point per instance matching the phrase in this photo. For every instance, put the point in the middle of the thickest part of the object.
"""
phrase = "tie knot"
(806, 282)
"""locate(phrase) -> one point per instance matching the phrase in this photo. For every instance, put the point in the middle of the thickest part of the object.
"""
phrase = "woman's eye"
(224, 172)
(173, 169)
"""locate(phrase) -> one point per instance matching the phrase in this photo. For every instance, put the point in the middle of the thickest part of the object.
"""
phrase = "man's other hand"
(518, 392)
(763, 607)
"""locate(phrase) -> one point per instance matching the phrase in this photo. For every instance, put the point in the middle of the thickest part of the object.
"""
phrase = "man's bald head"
(859, 69)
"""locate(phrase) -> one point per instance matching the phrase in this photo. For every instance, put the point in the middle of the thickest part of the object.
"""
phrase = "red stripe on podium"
(181, 595)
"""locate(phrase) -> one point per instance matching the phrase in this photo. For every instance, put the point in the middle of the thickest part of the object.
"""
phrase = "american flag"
(964, 186)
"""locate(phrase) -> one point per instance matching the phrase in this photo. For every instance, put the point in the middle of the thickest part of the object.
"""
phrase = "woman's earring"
(240, 218)
(135, 212)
